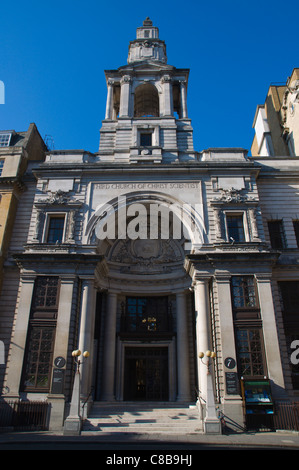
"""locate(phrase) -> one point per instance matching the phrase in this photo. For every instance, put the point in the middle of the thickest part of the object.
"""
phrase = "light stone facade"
(146, 160)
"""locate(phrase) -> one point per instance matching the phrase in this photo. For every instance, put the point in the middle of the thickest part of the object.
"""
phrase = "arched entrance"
(145, 343)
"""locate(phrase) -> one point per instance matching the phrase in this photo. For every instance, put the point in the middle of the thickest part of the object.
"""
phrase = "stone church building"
(147, 254)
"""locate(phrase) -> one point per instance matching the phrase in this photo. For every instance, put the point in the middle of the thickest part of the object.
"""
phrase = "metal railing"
(286, 416)
(24, 415)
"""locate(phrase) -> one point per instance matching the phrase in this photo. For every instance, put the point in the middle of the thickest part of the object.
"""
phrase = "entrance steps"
(143, 418)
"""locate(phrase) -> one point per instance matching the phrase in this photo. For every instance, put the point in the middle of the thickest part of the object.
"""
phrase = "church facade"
(147, 254)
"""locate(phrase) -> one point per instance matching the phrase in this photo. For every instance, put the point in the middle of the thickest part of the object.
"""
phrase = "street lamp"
(211, 421)
(73, 423)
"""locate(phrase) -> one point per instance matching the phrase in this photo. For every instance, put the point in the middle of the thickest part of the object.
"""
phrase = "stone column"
(183, 99)
(109, 348)
(109, 103)
(201, 298)
(86, 333)
(125, 83)
(57, 400)
(183, 366)
(167, 93)
(232, 403)
(18, 343)
(272, 349)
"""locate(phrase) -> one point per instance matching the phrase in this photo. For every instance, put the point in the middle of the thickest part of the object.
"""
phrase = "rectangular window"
(146, 140)
(55, 229)
(37, 374)
(244, 292)
(1, 166)
(41, 335)
(5, 139)
(250, 352)
(235, 228)
(276, 232)
(296, 230)
(146, 315)
(45, 293)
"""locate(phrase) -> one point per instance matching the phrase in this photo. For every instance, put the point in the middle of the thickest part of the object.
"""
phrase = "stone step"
(143, 418)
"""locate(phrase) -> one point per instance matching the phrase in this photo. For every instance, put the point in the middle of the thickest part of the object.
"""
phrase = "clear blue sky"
(53, 57)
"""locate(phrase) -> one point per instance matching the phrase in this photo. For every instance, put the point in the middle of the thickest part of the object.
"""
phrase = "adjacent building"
(276, 122)
(148, 253)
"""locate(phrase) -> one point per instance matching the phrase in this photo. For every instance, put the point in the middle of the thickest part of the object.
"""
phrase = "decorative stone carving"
(233, 196)
(146, 256)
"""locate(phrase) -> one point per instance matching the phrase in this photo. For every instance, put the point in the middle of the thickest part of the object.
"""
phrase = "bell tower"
(146, 117)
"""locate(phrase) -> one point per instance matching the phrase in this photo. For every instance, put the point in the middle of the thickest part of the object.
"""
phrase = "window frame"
(7, 143)
(245, 312)
(53, 215)
(31, 363)
(273, 235)
(42, 317)
(236, 213)
(248, 329)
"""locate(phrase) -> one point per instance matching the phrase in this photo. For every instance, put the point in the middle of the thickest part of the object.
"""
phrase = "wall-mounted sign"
(230, 362)
(59, 362)
(232, 383)
(58, 381)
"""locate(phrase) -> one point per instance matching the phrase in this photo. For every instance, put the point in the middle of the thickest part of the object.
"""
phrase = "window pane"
(243, 292)
(145, 140)
(276, 233)
(146, 314)
(235, 228)
(55, 230)
(46, 290)
(39, 358)
(250, 355)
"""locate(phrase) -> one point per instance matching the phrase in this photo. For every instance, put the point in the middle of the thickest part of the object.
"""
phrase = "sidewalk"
(121, 441)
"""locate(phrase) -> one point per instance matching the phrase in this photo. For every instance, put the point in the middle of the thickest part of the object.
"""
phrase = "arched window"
(146, 103)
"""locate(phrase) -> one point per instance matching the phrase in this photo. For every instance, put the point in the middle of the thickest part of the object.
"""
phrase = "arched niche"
(146, 101)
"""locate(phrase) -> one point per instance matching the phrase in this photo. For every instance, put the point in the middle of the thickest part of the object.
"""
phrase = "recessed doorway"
(146, 374)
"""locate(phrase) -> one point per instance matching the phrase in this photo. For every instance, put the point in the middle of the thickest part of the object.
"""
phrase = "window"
(248, 327)
(45, 294)
(5, 139)
(296, 230)
(37, 373)
(41, 335)
(250, 352)
(244, 292)
(276, 233)
(146, 315)
(55, 229)
(1, 166)
(235, 228)
(146, 140)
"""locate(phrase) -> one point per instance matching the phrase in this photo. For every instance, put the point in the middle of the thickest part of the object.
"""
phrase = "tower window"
(146, 140)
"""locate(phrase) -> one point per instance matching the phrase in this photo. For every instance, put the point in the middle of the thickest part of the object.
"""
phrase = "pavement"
(126, 441)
